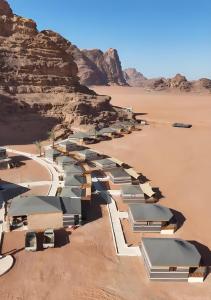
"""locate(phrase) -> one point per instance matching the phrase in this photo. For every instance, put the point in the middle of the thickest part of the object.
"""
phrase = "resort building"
(119, 176)
(151, 218)
(93, 133)
(35, 213)
(67, 146)
(65, 161)
(171, 259)
(72, 211)
(78, 137)
(4, 160)
(119, 127)
(108, 131)
(87, 154)
(133, 124)
(129, 125)
(132, 194)
(3, 153)
(105, 164)
(51, 154)
(43, 212)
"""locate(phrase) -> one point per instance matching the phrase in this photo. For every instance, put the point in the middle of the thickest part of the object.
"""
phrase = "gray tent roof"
(29, 205)
(105, 162)
(72, 192)
(150, 212)
(52, 152)
(171, 252)
(107, 130)
(131, 190)
(68, 143)
(118, 126)
(66, 159)
(119, 172)
(71, 206)
(88, 152)
(74, 180)
(130, 122)
(93, 132)
(79, 135)
(73, 169)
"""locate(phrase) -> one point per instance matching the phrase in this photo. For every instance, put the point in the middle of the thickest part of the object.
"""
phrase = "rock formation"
(30, 61)
(108, 65)
(134, 78)
(40, 69)
(94, 66)
(178, 83)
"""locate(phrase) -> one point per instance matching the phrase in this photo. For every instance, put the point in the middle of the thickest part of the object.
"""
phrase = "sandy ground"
(28, 171)
(84, 269)
(175, 160)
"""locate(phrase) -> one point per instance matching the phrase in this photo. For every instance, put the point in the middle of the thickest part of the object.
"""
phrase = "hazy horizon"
(159, 39)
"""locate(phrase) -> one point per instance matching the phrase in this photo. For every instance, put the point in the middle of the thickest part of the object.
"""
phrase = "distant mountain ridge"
(176, 83)
(44, 62)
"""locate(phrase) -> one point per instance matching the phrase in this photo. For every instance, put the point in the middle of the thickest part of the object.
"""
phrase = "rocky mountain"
(40, 69)
(108, 66)
(94, 66)
(134, 78)
(177, 83)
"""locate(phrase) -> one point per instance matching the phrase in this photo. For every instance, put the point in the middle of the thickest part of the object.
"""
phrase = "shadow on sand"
(22, 124)
(158, 194)
(10, 190)
(92, 210)
(205, 256)
(179, 218)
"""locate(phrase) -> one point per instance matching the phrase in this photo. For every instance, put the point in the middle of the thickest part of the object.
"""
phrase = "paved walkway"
(6, 264)
(53, 173)
(118, 236)
(123, 214)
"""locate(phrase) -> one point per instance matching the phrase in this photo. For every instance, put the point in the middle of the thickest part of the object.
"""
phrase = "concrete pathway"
(123, 214)
(6, 264)
(53, 173)
(121, 247)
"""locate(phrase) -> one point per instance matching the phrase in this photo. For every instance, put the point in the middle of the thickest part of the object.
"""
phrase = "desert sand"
(174, 160)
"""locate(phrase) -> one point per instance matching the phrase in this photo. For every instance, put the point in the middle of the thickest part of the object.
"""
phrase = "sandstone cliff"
(30, 61)
(108, 65)
(94, 66)
(39, 69)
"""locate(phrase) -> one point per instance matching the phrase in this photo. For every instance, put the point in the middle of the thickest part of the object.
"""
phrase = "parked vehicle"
(31, 241)
(48, 239)
(182, 125)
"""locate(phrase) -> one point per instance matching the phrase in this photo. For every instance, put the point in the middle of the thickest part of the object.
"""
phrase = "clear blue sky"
(158, 37)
